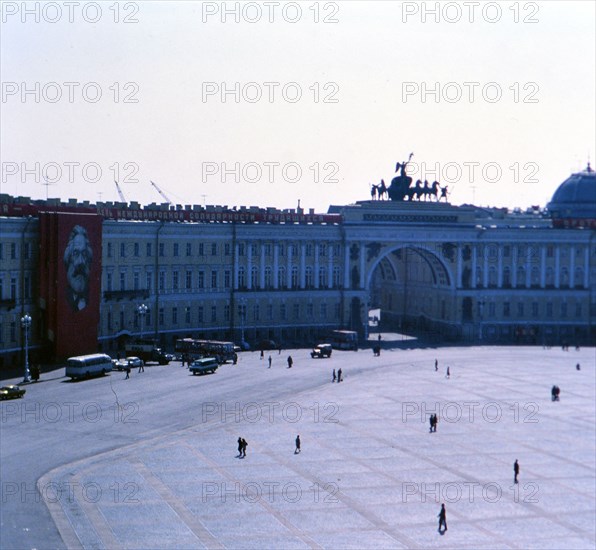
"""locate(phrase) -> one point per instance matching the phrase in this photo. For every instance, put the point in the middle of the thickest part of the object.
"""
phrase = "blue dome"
(574, 202)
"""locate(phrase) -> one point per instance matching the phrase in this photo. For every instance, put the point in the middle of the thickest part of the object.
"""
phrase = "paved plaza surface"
(152, 462)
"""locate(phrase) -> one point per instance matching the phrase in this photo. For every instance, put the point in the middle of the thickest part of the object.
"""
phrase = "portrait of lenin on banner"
(78, 256)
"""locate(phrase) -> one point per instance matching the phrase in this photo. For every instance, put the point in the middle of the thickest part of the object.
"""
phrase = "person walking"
(442, 517)
(448, 375)
(244, 445)
(577, 367)
(334, 376)
(431, 421)
(515, 471)
(127, 372)
(297, 445)
(436, 365)
(339, 376)
(141, 366)
(240, 447)
(262, 354)
(269, 359)
(290, 361)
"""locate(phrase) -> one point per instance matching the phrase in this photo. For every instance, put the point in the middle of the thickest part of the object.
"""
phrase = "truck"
(147, 351)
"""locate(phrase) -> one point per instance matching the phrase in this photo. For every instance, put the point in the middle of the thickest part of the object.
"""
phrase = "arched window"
(268, 278)
(492, 276)
(241, 277)
(281, 277)
(295, 280)
(535, 276)
(254, 277)
(506, 276)
(309, 279)
(322, 277)
(521, 276)
(550, 276)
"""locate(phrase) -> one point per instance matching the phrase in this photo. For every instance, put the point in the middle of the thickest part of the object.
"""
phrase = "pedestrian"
(334, 375)
(379, 337)
(339, 376)
(244, 445)
(270, 361)
(262, 354)
(141, 366)
(290, 361)
(240, 447)
(515, 471)
(435, 422)
(297, 445)
(448, 375)
(279, 349)
(436, 365)
(577, 367)
(432, 423)
(442, 518)
(235, 359)
(127, 372)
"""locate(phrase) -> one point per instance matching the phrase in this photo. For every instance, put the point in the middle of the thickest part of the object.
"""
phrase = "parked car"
(132, 362)
(204, 365)
(11, 392)
(322, 350)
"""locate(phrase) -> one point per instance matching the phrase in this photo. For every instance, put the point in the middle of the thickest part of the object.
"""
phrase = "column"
(347, 266)
(474, 266)
(557, 265)
(529, 265)
(362, 266)
(262, 268)
(316, 274)
(500, 267)
(236, 266)
(513, 266)
(290, 252)
(571, 266)
(330, 266)
(459, 266)
(543, 266)
(249, 266)
(276, 266)
(302, 265)
(485, 268)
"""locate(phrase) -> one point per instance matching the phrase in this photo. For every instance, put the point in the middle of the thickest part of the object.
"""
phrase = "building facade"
(81, 271)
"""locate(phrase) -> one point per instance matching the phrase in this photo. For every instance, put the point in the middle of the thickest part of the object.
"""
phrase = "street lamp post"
(480, 317)
(26, 324)
(142, 311)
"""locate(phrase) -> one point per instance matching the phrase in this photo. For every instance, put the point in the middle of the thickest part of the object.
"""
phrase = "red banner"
(70, 280)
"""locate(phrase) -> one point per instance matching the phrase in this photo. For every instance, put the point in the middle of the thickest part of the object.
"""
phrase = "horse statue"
(382, 190)
(373, 192)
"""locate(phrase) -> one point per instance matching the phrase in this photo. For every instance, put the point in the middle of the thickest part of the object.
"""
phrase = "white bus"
(85, 366)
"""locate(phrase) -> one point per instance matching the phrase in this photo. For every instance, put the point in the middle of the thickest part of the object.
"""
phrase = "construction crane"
(161, 193)
(120, 193)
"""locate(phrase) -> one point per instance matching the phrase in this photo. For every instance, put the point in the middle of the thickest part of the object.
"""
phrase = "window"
(148, 250)
(175, 279)
(506, 251)
(148, 280)
(241, 249)
(506, 277)
(268, 249)
(122, 280)
(109, 278)
(281, 277)
(336, 277)
(201, 281)
(322, 277)
(176, 249)
(109, 252)
(226, 312)
(13, 331)
(309, 311)
(227, 278)
(323, 312)
(188, 279)
(492, 309)
(549, 309)
(336, 311)
(255, 313)
(201, 249)
(13, 288)
(282, 250)
(227, 249)
(534, 309)
(282, 312)
(520, 309)
(214, 249)
(123, 250)
(214, 279)
(161, 316)
(213, 314)
(564, 309)
(309, 249)
(270, 312)
(187, 315)
(188, 250)
(294, 276)
(296, 310)
(27, 287)
(322, 250)
(254, 277)
(506, 309)
(13, 251)
(550, 251)
(136, 250)
(268, 278)
(200, 314)
(309, 279)
(162, 280)
(241, 278)
(122, 321)
(253, 250)
(162, 249)
(136, 284)
(27, 251)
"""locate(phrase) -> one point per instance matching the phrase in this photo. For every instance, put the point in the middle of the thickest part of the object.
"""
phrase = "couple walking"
(242, 444)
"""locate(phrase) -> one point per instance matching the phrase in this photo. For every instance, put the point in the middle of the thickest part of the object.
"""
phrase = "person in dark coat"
(442, 517)
(297, 445)
(334, 375)
(515, 471)
(244, 445)
(240, 446)
(339, 376)
(290, 361)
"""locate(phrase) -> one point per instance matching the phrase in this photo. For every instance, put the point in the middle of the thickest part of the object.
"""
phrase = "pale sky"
(375, 60)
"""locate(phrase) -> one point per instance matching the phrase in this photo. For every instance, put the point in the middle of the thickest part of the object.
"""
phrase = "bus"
(344, 339)
(195, 349)
(86, 366)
